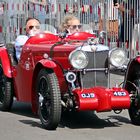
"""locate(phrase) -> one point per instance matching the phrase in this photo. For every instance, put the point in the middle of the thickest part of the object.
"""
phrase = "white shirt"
(19, 42)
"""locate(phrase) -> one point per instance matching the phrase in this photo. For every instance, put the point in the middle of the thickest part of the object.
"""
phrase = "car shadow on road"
(72, 120)
(23, 109)
(89, 119)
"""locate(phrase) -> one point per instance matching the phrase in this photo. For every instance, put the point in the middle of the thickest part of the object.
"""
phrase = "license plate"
(88, 95)
(119, 93)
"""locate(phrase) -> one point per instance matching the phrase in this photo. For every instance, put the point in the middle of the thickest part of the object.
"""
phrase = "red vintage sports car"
(56, 74)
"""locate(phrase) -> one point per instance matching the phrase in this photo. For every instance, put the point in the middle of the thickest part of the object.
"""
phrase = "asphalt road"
(21, 124)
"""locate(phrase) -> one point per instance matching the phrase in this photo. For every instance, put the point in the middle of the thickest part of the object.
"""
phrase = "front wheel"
(49, 99)
(134, 111)
(6, 92)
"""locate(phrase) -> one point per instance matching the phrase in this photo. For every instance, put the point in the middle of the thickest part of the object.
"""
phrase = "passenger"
(70, 25)
(19, 42)
(32, 28)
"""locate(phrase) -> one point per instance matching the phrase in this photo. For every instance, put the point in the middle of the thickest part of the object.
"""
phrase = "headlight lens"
(117, 57)
(78, 59)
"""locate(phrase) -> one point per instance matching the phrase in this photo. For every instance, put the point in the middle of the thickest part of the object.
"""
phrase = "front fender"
(132, 73)
(6, 65)
(47, 63)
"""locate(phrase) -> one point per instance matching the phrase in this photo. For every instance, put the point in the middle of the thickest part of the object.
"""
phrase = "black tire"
(12, 53)
(49, 99)
(6, 92)
(134, 111)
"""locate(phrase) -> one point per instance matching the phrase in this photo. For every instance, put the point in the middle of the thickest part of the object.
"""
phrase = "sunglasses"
(76, 26)
(31, 27)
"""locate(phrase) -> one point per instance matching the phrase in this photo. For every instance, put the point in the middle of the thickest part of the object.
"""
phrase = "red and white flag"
(1, 9)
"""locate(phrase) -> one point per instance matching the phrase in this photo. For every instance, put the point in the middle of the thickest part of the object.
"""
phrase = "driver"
(70, 25)
(32, 28)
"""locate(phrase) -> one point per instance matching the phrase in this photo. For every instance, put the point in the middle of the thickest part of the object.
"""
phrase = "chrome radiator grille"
(95, 74)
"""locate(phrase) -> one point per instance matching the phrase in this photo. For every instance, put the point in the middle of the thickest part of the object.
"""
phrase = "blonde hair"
(66, 22)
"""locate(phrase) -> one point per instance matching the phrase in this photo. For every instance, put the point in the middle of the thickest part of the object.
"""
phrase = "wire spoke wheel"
(45, 104)
(134, 111)
(49, 99)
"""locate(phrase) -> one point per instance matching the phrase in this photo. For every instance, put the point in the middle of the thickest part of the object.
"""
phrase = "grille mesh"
(95, 78)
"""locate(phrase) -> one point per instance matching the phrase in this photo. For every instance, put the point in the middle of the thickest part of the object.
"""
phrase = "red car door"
(24, 75)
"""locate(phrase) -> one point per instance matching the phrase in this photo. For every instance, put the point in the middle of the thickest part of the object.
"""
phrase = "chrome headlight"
(117, 57)
(102, 34)
(78, 59)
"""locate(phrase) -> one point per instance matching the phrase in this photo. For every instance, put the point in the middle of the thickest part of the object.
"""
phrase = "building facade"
(99, 14)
